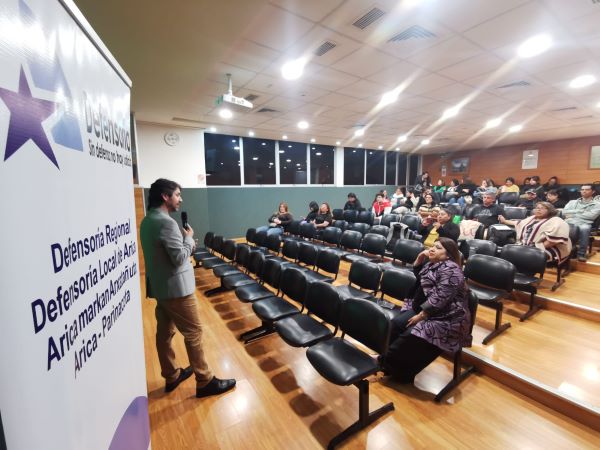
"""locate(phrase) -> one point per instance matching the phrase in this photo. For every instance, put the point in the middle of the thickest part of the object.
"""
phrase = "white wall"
(183, 163)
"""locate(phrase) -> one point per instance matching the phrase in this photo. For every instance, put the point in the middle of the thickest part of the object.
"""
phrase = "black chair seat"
(201, 254)
(301, 330)
(235, 281)
(340, 252)
(392, 266)
(225, 271)
(356, 257)
(525, 280)
(347, 291)
(252, 292)
(486, 294)
(312, 276)
(210, 263)
(273, 308)
(340, 362)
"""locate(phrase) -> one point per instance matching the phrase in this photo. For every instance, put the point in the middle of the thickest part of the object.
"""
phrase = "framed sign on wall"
(460, 165)
(595, 157)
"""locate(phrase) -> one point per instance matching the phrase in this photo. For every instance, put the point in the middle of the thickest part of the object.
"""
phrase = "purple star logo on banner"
(26, 116)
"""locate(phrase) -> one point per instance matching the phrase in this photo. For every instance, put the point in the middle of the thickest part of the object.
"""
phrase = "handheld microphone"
(184, 220)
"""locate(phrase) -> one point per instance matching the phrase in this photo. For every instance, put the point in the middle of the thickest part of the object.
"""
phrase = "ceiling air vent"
(370, 17)
(183, 119)
(267, 110)
(324, 48)
(414, 32)
(251, 97)
(567, 108)
(521, 83)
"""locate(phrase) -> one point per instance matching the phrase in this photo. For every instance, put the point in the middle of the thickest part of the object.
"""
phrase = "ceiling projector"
(232, 99)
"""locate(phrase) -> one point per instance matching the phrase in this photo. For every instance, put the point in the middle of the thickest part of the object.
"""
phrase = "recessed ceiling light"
(250, 133)
(353, 151)
(303, 124)
(255, 158)
(225, 113)
(425, 141)
(288, 160)
(339, 143)
(451, 112)
(389, 97)
(380, 147)
(318, 153)
(535, 45)
(281, 151)
(403, 138)
(234, 140)
(264, 143)
(598, 105)
(493, 123)
(370, 153)
(360, 145)
(313, 140)
(298, 164)
(515, 128)
(236, 148)
(359, 132)
(290, 146)
(397, 148)
(212, 129)
(292, 70)
(284, 136)
(582, 81)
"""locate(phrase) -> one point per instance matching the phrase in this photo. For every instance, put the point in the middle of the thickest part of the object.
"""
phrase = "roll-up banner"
(71, 343)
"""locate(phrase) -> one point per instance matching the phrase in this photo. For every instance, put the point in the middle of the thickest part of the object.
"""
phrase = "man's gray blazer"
(169, 272)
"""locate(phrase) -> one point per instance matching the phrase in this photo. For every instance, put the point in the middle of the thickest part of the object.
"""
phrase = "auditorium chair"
(228, 252)
(397, 284)
(372, 248)
(307, 255)
(563, 267)
(271, 275)
(350, 215)
(413, 221)
(206, 250)
(455, 209)
(450, 195)
(328, 262)
(349, 241)
(491, 279)
(260, 240)
(362, 228)
(242, 253)
(515, 212)
(292, 232)
(508, 198)
(209, 261)
(365, 275)
(273, 245)
(269, 310)
(529, 262)
(250, 235)
(337, 214)
(478, 247)
(308, 231)
(471, 211)
(342, 363)
(458, 373)
(341, 224)
(331, 235)
(406, 252)
(388, 219)
(302, 330)
(289, 252)
(366, 217)
(254, 266)
(381, 230)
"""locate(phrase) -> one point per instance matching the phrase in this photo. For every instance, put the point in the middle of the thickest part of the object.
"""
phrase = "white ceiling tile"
(571, 9)
(318, 35)
(239, 76)
(329, 79)
(249, 55)
(364, 62)
(314, 10)
(267, 84)
(396, 75)
(561, 76)
(363, 89)
(452, 92)
(360, 106)
(283, 30)
(475, 66)
(447, 53)
(461, 15)
(427, 83)
(335, 100)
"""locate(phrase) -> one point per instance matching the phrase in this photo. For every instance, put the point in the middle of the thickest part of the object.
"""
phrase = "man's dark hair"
(587, 184)
(351, 195)
(157, 189)
(511, 179)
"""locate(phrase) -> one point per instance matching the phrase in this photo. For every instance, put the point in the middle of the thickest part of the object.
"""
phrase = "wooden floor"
(281, 402)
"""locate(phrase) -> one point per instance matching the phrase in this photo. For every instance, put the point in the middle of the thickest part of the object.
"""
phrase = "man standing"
(170, 279)
(582, 212)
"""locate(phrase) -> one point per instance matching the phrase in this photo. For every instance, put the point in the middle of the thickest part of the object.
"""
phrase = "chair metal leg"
(263, 330)
(215, 291)
(459, 375)
(365, 418)
(499, 326)
(533, 308)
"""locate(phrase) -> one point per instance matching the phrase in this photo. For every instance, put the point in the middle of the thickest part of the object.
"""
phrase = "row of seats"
(309, 313)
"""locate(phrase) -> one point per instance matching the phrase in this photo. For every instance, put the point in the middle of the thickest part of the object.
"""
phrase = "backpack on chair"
(501, 234)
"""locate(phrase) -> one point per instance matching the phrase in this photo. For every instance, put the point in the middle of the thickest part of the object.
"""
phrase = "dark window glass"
(375, 165)
(222, 158)
(259, 161)
(390, 168)
(292, 162)
(321, 164)
(354, 166)
(413, 166)
(402, 159)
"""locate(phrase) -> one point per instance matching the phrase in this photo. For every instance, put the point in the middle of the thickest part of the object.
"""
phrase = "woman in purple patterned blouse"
(436, 319)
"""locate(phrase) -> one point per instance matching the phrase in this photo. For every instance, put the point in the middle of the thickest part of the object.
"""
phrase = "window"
(413, 168)
(222, 158)
(402, 165)
(321, 164)
(375, 165)
(259, 161)
(390, 168)
(354, 166)
(292, 162)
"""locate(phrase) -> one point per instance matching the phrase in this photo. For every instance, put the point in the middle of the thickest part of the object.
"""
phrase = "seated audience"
(398, 198)
(427, 206)
(529, 201)
(324, 218)
(353, 202)
(440, 186)
(422, 182)
(544, 230)
(441, 226)
(525, 184)
(553, 197)
(381, 205)
(534, 183)
(466, 190)
(409, 203)
(582, 212)
(552, 183)
(509, 186)
(436, 319)
(489, 211)
(279, 221)
(453, 188)
(313, 211)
